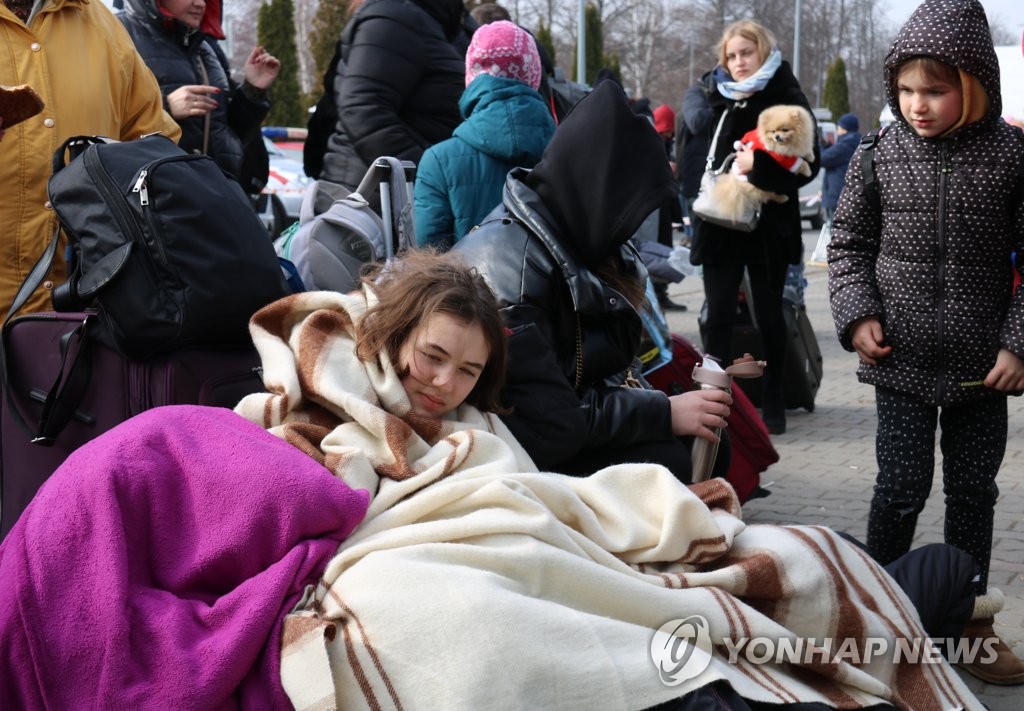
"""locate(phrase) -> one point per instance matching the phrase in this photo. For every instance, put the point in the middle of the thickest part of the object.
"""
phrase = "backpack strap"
(867, 165)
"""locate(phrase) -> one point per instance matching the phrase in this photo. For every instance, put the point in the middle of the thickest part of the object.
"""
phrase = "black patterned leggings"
(972, 442)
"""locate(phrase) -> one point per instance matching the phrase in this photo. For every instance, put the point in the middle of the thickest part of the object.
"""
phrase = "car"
(287, 181)
(811, 208)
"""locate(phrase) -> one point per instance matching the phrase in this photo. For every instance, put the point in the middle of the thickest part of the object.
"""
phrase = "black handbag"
(163, 242)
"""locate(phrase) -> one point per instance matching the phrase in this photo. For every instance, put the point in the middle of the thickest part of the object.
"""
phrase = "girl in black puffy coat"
(556, 254)
(175, 38)
(920, 281)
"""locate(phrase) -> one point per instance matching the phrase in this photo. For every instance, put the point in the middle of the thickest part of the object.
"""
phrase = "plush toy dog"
(785, 132)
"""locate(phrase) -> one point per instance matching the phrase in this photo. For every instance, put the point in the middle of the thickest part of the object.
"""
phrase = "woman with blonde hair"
(750, 77)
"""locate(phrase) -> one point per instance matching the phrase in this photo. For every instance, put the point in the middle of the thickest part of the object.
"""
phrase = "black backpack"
(163, 241)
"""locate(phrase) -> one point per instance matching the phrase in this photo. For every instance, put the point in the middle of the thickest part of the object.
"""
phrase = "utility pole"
(581, 44)
(692, 33)
(796, 42)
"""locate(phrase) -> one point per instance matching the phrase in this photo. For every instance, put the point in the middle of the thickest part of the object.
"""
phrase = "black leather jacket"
(177, 57)
(542, 288)
(574, 334)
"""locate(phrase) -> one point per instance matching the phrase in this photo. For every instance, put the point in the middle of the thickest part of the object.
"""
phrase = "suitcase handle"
(61, 401)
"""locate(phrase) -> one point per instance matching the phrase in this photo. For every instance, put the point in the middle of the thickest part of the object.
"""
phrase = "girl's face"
(930, 106)
(741, 58)
(445, 358)
(188, 11)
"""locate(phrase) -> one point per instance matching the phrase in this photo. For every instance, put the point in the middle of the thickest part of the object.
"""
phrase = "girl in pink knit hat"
(506, 124)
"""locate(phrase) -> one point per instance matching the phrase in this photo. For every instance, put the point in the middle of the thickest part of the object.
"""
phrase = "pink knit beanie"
(503, 49)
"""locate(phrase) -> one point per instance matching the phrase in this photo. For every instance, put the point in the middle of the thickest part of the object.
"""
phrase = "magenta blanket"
(154, 568)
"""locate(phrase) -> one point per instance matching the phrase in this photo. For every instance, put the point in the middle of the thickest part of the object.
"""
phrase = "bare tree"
(240, 19)
(240, 24)
(305, 11)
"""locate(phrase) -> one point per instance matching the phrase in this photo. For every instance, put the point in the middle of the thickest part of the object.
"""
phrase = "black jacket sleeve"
(382, 67)
(852, 253)
(550, 420)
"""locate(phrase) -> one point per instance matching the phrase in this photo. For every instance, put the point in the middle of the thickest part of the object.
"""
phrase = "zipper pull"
(140, 188)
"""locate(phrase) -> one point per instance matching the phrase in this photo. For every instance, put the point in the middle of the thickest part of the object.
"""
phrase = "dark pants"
(972, 442)
(940, 580)
(721, 287)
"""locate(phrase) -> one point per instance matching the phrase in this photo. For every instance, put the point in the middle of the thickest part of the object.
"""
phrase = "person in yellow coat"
(81, 62)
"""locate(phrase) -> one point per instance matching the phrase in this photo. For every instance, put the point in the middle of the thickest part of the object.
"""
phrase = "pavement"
(827, 468)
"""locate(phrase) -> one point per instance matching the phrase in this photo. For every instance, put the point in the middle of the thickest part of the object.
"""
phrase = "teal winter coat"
(506, 125)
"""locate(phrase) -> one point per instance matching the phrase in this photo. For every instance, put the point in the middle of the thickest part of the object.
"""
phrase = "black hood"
(603, 173)
(449, 13)
(956, 33)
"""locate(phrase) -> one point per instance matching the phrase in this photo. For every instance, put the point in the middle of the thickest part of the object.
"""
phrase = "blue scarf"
(737, 90)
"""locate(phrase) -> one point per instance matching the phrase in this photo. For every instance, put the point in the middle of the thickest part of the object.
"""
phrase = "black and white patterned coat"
(931, 258)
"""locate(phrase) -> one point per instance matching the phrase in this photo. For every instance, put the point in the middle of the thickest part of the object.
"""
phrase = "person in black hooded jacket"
(396, 85)
(217, 118)
(556, 253)
(751, 76)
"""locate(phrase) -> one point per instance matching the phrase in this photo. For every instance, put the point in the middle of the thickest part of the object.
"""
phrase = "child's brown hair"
(931, 69)
(424, 282)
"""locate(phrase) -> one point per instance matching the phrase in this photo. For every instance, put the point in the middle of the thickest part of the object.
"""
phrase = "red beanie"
(664, 119)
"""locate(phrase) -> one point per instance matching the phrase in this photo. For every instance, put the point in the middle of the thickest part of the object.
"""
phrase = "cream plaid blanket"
(476, 582)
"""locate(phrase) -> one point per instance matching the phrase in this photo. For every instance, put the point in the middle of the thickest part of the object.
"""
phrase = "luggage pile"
(168, 263)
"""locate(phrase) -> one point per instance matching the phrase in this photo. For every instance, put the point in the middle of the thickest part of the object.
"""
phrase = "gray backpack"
(330, 249)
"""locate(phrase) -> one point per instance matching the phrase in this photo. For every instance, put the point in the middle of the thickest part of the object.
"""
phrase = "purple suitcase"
(50, 351)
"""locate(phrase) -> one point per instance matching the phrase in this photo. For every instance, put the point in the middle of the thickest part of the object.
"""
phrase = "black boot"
(773, 408)
(666, 304)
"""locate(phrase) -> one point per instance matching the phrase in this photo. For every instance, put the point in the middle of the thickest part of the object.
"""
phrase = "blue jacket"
(460, 180)
(834, 161)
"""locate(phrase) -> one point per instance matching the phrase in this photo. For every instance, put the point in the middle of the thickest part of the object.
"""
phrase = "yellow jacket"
(79, 59)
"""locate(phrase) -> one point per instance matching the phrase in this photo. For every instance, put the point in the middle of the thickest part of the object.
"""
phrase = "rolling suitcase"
(752, 449)
(803, 369)
(62, 389)
(803, 358)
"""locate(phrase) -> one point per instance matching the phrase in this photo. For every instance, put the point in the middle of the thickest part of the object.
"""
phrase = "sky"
(1008, 13)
